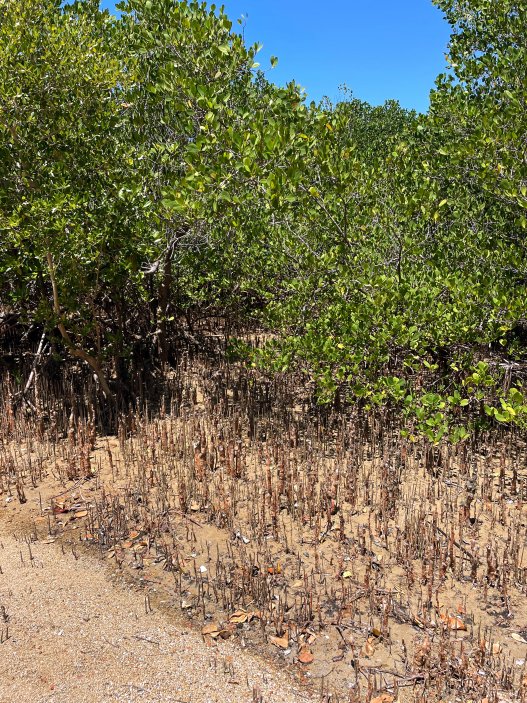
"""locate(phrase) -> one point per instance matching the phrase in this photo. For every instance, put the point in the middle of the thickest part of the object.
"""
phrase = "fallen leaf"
(194, 506)
(376, 632)
(455, 623)
(134, 534)
(239, 616)
(227, 631)
(80, 513)
(383, 698)
(281, 642)
(306, 656)
(211, 629)
(346, 574)
(368, 650)
(127, 544)
(518, 638)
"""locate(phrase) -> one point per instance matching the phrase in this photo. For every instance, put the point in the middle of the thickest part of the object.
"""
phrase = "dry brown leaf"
(383, 698)
(211, 629)
(369, 649)
(134, 534)
(239, 616)
(194, 506)
(281, 642)
(227, 631)
(306, 656)
(80, 513)
(518, 638)
(127, 544)
(455, 623)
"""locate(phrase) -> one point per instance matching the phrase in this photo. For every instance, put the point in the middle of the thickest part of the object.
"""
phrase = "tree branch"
(77, 352)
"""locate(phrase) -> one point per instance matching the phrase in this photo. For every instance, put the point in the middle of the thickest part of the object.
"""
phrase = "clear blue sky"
(380, 49)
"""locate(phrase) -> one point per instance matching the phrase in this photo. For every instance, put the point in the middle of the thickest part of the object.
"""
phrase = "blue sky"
(380, 49)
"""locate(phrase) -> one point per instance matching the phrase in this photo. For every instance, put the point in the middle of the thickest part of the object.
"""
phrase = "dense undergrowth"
(152, 178)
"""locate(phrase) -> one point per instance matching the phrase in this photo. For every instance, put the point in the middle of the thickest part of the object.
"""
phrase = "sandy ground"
(75, 636)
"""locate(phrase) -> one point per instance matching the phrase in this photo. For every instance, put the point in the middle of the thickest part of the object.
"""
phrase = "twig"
(179, 512)
(146, 639)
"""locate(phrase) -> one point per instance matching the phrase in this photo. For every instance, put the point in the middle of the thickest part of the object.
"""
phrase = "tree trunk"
(75, 351)
(164, 305)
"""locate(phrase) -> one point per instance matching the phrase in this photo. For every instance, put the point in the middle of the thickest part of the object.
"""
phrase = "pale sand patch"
(76, 637)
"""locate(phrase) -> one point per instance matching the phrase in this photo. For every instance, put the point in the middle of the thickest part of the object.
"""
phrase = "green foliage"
(405, 254)
(149, 171)
(66, 192)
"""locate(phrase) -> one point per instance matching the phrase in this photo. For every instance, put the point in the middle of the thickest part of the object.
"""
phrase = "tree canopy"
(151, 175)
